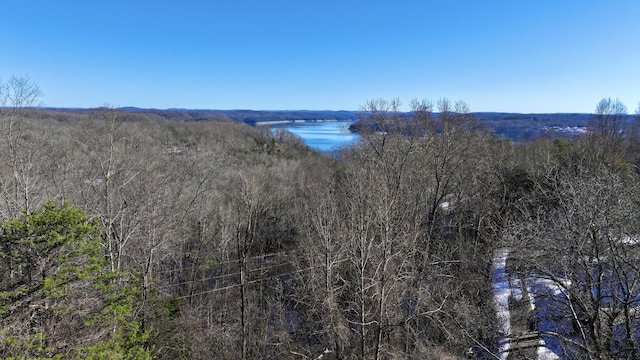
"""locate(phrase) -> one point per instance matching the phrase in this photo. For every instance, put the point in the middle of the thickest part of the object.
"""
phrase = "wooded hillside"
(137, 238)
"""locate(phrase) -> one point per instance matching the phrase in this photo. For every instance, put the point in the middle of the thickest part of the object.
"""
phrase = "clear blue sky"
(510, 55)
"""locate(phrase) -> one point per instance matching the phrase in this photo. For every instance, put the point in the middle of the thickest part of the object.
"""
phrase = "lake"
(323, 136)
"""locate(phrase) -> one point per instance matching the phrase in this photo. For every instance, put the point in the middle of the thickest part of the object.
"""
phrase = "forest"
(129, 237)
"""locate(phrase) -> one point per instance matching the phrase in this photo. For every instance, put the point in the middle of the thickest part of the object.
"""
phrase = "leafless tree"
(609, 118)
(580, 236)
(20, 153)
(386, 242)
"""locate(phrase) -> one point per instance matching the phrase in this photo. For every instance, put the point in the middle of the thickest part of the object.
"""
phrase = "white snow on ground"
(502, 291)
(544, 353)
(505, 287)
(516, 287)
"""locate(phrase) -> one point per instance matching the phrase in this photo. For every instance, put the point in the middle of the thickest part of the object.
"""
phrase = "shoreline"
(279, 122)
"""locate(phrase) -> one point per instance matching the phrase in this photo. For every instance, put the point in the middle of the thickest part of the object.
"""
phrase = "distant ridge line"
(508, 125)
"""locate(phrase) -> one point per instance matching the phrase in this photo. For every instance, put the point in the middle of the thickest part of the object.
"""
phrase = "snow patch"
(502, 292)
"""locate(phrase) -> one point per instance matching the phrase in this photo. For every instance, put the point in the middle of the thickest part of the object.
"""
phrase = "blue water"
(323, 136)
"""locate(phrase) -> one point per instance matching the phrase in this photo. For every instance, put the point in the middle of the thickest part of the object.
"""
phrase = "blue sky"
(510, 55)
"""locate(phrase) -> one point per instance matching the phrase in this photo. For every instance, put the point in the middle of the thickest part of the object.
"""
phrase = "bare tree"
(17, 96)
(579, 237)
(609, 118)
(321, 258)
(608, 127)
(396, 248)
